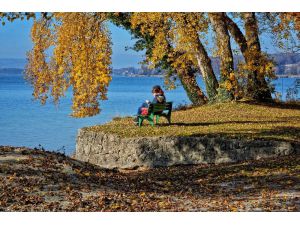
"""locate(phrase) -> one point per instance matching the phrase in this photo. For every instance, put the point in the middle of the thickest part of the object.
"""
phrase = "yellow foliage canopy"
(71, 50)
(179, 31)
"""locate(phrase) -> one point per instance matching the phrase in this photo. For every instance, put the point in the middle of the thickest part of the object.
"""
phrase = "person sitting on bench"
(158, 93)
(159, 97)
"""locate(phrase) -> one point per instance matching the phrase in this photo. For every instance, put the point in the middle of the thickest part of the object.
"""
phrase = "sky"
(15, 42)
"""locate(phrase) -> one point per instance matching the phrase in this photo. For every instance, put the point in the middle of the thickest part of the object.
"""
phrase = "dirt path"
(35, 180)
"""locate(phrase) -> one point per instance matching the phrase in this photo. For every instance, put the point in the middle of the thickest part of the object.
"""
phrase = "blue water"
(24, 122)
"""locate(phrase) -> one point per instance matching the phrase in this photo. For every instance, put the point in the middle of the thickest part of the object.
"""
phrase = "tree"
(227, 83)
(185, 73)
(257, 86)
(180, 30)
(73, 50)
(283, 28)
(80, 59)
(11, 16)
(257, 65)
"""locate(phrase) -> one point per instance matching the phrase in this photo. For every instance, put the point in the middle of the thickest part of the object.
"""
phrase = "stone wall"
(112, 151)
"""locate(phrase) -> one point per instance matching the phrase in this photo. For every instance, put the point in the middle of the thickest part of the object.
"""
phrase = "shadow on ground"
(47, 181)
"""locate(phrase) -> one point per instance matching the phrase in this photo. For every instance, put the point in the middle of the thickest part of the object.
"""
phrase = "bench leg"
(157, 119)
(140, 121)
(151, 119)
(169, 119)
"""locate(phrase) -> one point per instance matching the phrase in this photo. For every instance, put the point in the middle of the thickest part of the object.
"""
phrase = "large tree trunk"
(227, 79)
(188, 80)
(237, 35)
(203, 61)
(257, 85)
(186, 75)
(205, 67)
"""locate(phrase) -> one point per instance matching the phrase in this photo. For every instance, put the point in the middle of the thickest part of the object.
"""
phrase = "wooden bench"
(156, 110)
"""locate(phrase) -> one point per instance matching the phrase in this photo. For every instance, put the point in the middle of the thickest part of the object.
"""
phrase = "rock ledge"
(112, 151)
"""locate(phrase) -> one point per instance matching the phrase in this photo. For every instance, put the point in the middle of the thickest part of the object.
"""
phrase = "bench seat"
(156, 110)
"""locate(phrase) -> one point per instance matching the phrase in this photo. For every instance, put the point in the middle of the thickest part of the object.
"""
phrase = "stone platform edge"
(113, 151)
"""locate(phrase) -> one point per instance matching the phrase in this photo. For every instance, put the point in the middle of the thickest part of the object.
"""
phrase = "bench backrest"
(159, 107)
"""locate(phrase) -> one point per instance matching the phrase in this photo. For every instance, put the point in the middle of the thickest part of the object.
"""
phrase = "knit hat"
(156, 87)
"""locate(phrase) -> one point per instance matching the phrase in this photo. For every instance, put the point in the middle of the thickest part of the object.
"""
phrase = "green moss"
(210, 87)
(238, 120)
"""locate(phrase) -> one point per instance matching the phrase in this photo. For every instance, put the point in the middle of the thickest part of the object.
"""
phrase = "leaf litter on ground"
(35, 180)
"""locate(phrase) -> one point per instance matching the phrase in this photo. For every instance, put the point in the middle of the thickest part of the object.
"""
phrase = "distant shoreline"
(137, 75)
(18, 71)
(288, 76)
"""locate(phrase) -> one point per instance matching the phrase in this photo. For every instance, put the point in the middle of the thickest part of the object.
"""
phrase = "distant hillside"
(11, 71)
(143, 70)
(12, 63)
(287, 64)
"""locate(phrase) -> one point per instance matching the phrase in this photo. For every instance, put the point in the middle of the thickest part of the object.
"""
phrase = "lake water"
(24, 122)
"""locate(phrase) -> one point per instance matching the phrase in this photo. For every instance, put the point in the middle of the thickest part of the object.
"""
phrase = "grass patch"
(236, 120)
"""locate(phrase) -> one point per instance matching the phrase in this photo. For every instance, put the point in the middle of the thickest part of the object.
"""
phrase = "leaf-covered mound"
(251, 121)
(34, 180)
